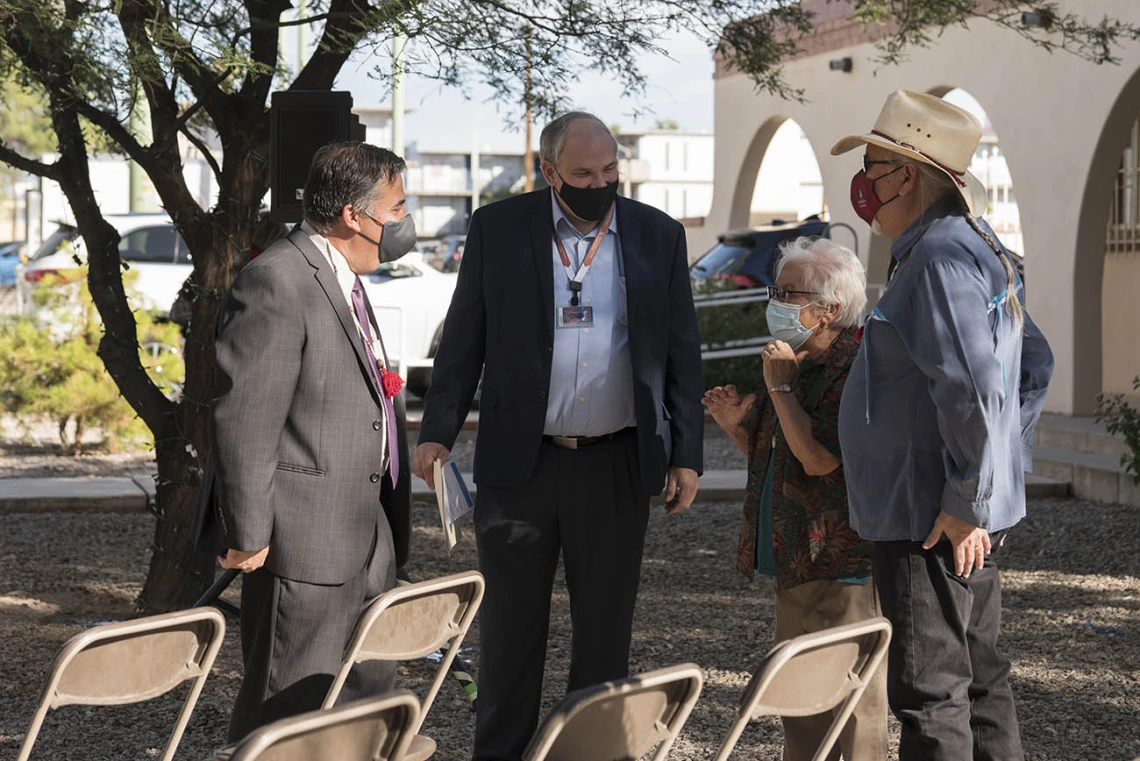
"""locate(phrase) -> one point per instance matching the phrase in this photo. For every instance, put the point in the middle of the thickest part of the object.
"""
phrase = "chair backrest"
(375, 729)
(412, 621)
(620, 720)
(133, 661)
(813, 673)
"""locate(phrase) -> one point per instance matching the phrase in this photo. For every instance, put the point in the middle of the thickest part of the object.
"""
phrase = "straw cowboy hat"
(925, 128)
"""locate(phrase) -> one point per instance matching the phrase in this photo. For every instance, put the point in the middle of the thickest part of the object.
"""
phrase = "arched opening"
(788, 183)
(1107, 266)
(989, 166)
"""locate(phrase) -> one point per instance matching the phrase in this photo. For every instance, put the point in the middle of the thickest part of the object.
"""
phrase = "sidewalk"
(128, 495)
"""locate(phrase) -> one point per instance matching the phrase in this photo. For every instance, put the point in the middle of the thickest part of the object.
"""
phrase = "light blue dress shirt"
(591, 376)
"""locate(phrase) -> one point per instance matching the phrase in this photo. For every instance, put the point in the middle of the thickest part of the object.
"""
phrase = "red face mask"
(864, 199)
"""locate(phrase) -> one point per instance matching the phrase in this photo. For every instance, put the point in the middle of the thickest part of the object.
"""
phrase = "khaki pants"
(819, 605)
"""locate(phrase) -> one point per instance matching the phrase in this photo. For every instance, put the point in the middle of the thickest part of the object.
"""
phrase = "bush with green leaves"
(1121, 418)
(723, 326)
(49, 367)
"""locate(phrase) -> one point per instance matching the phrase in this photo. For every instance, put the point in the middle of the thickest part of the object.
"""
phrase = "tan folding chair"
(411, 622)
(133, 661)
(811, 674)
(374, 729)
(620, 720)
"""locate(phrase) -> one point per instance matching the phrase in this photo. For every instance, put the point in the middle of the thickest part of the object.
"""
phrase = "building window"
(1124, 216)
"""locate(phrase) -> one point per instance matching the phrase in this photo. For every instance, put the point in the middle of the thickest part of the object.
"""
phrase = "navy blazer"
(501, 325)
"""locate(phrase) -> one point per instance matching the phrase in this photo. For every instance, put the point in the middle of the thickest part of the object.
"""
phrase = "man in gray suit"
(307, 487)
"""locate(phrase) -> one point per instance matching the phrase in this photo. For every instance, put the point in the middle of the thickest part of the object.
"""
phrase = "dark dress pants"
(946, 682)
(590, 505)
(293, 638)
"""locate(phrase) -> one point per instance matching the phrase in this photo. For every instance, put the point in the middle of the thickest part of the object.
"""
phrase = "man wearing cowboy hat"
(936, 428)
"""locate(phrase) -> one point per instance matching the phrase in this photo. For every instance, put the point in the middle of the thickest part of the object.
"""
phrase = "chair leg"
(33, 731)
(733, 736)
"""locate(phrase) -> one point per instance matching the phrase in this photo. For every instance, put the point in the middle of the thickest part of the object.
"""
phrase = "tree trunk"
(179, 573)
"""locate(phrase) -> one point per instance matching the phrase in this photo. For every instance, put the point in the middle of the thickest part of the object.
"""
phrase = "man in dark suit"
(307, 487)
(575, 307)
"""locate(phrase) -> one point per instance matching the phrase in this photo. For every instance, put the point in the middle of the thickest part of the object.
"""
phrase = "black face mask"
(590, 204)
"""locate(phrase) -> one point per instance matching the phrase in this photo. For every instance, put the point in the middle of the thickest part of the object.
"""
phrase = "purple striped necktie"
(389, 407)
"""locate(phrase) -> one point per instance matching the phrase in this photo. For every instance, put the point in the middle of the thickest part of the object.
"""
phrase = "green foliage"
(1120, 417)
(49, 367)
(723, 327)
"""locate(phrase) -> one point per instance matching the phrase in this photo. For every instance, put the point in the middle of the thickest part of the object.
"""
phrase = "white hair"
(832, 271)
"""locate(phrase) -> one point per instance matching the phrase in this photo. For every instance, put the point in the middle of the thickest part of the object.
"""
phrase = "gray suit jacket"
(296, 438)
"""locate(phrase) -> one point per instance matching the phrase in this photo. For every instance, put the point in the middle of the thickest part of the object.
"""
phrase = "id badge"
(576, 317)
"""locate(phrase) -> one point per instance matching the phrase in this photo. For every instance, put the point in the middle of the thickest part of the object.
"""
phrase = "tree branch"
(337, 42)
(205, 151)
(31, 166)
(263, 45)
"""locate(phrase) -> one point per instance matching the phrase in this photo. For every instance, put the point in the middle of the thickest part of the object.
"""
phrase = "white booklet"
(452, 497)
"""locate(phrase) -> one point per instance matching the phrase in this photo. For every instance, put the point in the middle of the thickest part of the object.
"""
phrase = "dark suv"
(747, 258)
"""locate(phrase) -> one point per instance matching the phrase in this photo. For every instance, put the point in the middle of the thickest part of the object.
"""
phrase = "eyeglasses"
(782, 294)
(868, 163)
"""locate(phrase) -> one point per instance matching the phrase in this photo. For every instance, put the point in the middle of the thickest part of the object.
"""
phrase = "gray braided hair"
(936, 185)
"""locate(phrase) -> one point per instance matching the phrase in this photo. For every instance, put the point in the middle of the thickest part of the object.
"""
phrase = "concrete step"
(1080, 434)
(131, 495)
(1098, 477)
(74, 495)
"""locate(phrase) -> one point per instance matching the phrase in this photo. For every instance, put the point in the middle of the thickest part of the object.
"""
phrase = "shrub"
(49, 367)
(1120, 417)
(721, 327)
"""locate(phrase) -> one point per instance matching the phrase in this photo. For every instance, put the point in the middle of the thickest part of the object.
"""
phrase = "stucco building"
(1069, 141)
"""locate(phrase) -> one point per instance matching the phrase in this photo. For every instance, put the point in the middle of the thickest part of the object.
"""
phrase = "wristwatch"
(786, 389)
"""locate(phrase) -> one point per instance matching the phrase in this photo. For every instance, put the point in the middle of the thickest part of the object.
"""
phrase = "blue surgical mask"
(784, 324)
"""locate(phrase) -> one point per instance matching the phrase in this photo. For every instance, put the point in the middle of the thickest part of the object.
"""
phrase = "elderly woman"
(795, 510)
(936, 428)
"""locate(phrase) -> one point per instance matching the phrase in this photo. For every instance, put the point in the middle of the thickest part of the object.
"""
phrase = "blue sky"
(680, 88)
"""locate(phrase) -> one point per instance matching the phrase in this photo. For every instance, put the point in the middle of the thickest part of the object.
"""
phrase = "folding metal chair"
(620, 720)
(133, 661)
(410, 622)
(811, 674)
(375, 729)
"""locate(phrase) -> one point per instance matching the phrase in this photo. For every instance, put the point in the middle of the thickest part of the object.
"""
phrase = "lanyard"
(576, 278)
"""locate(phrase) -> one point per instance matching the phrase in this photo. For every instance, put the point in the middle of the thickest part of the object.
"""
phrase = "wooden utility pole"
(528, 155)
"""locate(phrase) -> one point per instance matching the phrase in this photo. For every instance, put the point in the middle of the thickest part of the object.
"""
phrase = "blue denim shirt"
(940, 405)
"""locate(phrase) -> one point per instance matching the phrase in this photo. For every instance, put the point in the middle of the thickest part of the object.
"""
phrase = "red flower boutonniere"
(391, 382)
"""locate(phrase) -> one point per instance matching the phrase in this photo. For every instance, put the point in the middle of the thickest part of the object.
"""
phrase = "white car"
(150, 246)
(410, 300)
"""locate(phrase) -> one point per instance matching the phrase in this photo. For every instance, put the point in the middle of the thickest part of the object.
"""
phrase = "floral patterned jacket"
(810, 533)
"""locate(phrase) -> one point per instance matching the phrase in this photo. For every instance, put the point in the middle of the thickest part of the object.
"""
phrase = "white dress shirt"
(591, 375)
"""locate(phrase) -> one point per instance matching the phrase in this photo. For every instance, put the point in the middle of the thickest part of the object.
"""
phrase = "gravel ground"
(1072, 619)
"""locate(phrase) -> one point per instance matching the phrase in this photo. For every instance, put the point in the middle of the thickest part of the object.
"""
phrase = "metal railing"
(738, 347)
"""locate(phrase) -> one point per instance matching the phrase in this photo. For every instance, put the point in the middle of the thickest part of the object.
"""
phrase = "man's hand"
(680, 490)
(426, 454)
(971, 544)
(246, 562)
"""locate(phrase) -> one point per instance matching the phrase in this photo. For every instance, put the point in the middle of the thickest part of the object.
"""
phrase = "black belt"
(577, 442)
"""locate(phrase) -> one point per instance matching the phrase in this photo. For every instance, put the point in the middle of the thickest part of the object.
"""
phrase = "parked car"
(744, 259)
(9, 260)
(150, 246)
(410, 299)
(453, 252)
